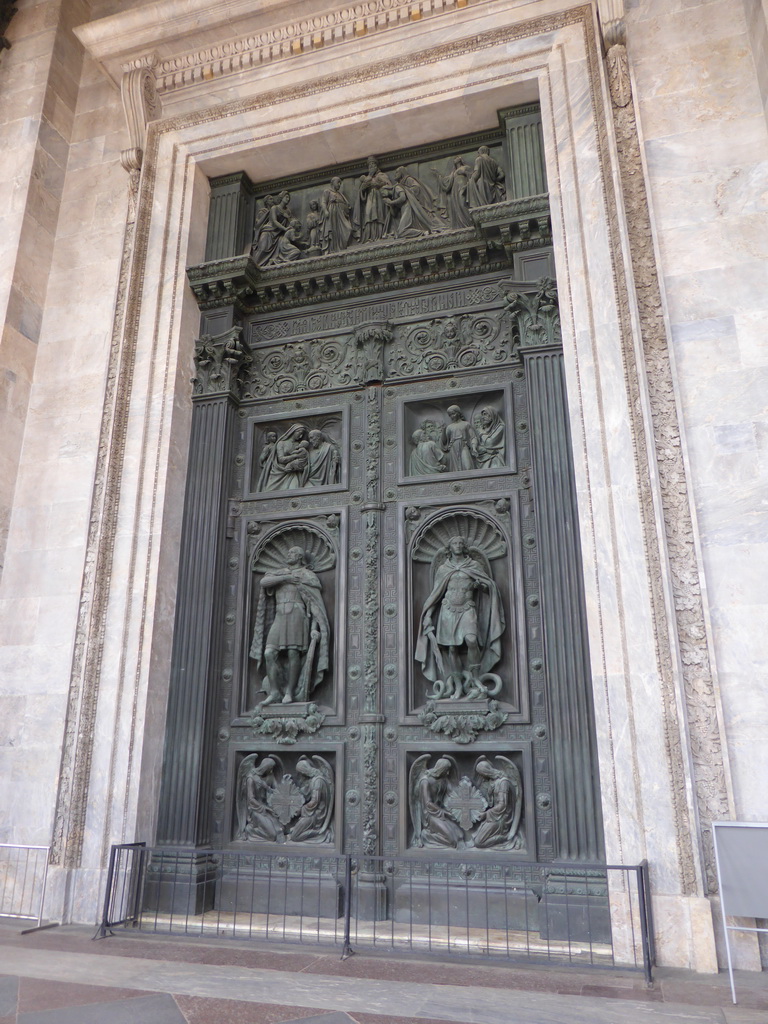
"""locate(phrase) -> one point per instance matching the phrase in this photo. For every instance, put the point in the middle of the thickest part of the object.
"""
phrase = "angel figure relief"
(461, 813)
(462, 619)
(502, 788)
(256, 783)
(291, 637)
(428, 788)
(273, 807)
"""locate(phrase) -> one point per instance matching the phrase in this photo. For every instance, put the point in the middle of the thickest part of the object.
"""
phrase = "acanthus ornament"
(535, 315)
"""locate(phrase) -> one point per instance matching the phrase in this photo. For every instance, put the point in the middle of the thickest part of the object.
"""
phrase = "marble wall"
(700, 76)
(97, 380)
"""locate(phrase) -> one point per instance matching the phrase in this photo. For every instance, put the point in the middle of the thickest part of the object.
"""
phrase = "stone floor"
(60, 976)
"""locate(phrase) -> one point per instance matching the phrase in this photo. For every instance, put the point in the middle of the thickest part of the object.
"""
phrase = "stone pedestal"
(307, 895)
(181, 883)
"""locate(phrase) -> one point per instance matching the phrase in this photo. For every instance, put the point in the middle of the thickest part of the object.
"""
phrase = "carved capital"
(535, 315)
(221, 362)
(141, 105)
(369, 342)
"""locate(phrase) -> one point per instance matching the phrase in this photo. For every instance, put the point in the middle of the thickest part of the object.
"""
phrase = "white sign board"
(741, 851)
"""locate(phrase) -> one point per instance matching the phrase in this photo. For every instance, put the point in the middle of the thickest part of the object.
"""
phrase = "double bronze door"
(384, 679)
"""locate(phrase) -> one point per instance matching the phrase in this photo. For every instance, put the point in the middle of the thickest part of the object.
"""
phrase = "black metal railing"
(596, 916)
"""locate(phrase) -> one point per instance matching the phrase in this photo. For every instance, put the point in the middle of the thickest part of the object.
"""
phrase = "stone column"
(185, 798)
(576, 799)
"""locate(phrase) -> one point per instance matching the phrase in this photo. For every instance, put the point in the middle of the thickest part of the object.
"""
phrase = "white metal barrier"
(23, 877)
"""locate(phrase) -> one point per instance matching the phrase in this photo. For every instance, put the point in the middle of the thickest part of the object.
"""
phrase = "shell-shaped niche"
(319, 554)
(479, 533)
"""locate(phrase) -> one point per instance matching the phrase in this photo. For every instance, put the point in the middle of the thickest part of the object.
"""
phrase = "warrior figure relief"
(292, 635)
(461, 625)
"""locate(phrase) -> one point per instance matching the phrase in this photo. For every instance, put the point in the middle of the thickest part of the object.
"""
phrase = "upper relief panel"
(409, 201)
(454, 208)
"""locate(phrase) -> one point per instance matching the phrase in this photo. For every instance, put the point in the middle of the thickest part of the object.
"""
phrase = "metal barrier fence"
(124, 892)
(598, 916)
(23, 878)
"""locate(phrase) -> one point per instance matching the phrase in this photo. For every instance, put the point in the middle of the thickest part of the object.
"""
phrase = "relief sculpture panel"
(275, 805)
(292, 454)
(456, 435)
(292, 636)
(461, 809)
(467, 637)
(377, 206)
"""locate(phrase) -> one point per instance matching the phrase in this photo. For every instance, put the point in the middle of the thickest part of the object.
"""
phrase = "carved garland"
(710, 771)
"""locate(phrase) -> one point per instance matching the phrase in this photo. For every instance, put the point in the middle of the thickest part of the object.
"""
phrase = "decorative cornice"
(126, 36)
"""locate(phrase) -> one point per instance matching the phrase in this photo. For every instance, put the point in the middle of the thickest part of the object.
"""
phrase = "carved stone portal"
(274, 806)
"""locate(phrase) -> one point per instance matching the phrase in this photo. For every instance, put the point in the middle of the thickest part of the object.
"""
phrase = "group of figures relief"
(274, 807)
(457, 445)
(480, 813)
(300, 457)
(384, 206)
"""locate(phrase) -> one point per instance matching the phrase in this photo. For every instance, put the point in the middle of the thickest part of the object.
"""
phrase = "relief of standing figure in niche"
(292, 633)
(462, 622)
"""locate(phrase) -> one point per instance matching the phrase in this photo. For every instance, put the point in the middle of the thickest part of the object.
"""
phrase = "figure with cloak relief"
(286, 466)
(454, 187)
(324, 460)
(459, 440)
(502, 788)
(427, 457)
(255, 784)
(291, 636)
(317, 785)
(486, 185)
(371, 216)
(427, 790)
(336, 231)
(490, 450)
(414, 206)
(462, 619)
